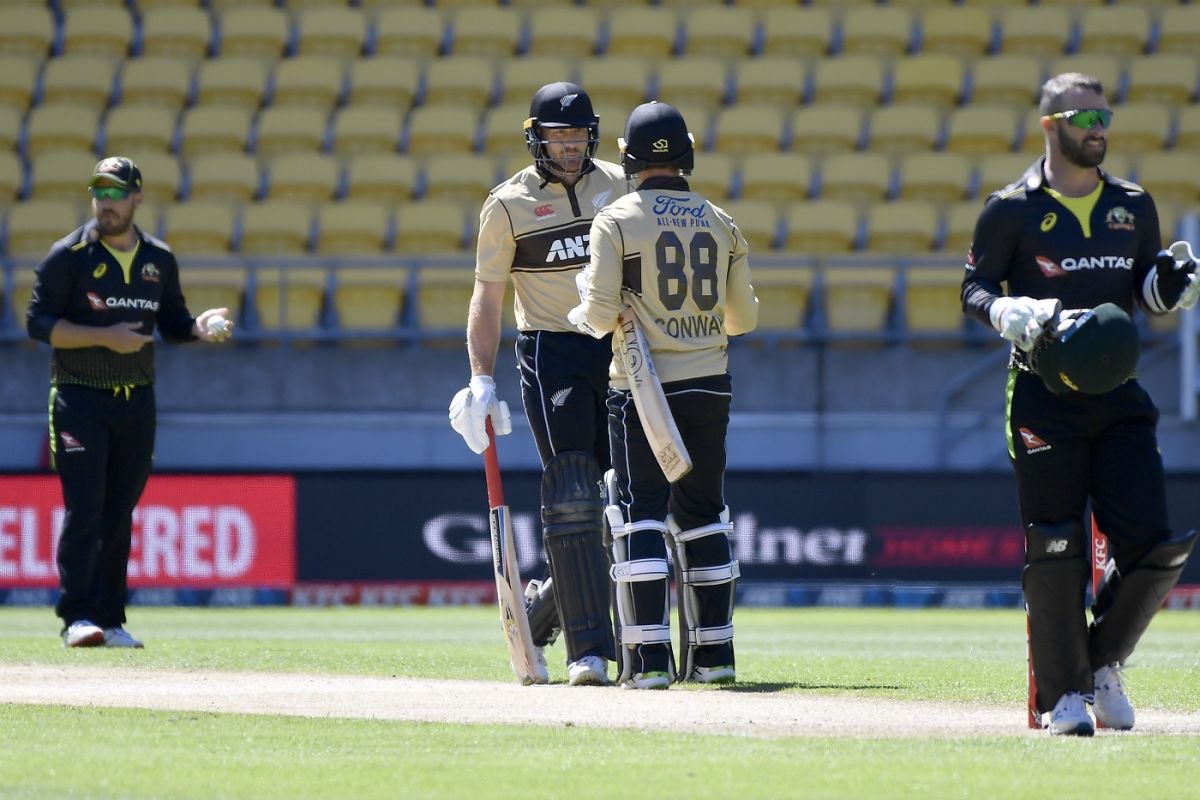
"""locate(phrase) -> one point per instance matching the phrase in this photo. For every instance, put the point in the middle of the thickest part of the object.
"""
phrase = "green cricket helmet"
(1092, 352)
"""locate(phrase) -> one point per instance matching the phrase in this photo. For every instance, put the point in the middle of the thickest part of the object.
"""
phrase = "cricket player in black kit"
(533, 229)
(98, 296)
(1067, 235)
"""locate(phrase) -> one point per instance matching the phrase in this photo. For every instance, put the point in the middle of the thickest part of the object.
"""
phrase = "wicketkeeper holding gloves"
(1067, 235)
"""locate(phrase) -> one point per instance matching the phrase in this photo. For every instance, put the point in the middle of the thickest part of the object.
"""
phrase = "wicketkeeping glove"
(1185, 265)
(470, 409)
(1022, 320)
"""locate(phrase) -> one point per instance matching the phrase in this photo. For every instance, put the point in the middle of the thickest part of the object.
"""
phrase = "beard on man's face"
(112, 223)
(1080, 153)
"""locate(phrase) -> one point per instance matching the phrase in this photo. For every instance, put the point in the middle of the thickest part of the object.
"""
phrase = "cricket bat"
(514, 622)
(648, 397)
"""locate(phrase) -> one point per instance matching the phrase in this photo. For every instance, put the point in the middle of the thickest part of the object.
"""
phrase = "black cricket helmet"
(656, 135)
(1092, 352)
(560, 105)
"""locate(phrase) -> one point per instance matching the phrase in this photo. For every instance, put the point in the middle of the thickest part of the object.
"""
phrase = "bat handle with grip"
(491, 468)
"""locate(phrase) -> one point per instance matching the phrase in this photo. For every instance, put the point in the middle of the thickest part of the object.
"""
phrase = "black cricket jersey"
(80, 281)
(1034, 240)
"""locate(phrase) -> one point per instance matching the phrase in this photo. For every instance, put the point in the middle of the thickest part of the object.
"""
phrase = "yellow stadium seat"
(934, 79)
(34, 225)
(748, 128)
(303, 178)
(1168, 222)
(1033, 136)
(18, 77)
(644, 31)
(254, 32)
(770, 79)
(849, 80)
(225, 5)
(502, 131)
(488, 31)
(289, 298)
(713, 176)
(784, 295)
(352, 228)
(978, 129)
(366, 299)
(1188, 137)
(161, 174)
(155, 80)
(904, 128)
(390, 81)
(310, 81)
(777, 178)
(461, 81)
(876, 30)
(214, 129)
(231, 81)
(821, 227)
(1077, 5)
(699, 121)
(1169, 79)
(621, 80)
(857, 177)
(524, 76)
(408, 31)
(1139, 127)
(857, 299)
(459, 178)
(1101, 65)
(68, 6)
(699, 82)
(175, 32)
(960, 226)
(757, 221)
(1006, 80)
(10, 128)
(956, 30)
(60, 126)
(932, 300)
(569, 31)
(289, 129)
(199, 228)
(441, 129)
(139, 128)
(381, 178)
(105, 32)
(433, 226)
(27, 31)
(1173, 177)
(61, 176)
(998, 170)
(934, 177)
(823, 129)
(1037, 30)
(81, 80)
(904, 226)
(12, 176)
(362, 128)
(275, 228)
(1179, 29)
(148, 5)
(797, 32)
(333, 31)
(443, 294)
(1114, 30)
(223, 177)
(211, 286)
(1119, 164)
(718, 31)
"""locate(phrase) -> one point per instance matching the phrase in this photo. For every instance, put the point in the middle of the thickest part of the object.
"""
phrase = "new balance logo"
(567, 248)
(1056, 546)
(1033, 442)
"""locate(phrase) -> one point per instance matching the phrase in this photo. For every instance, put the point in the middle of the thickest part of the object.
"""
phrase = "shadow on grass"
(767, 687)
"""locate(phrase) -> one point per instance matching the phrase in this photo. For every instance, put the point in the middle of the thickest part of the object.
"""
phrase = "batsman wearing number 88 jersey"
(680, 264)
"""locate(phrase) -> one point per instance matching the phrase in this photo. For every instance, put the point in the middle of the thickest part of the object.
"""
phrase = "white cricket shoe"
(1070, 717)
(83, 633)
(588, 671)
(1113, 709)
(119, 637)
(724, 674)
(648, 680)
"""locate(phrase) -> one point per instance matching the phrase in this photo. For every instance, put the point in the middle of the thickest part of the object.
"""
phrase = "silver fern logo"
(560, 397)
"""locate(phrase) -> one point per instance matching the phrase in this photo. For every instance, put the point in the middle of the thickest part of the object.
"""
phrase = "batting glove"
(1185, 262)
(1021, 320)
(577, 316)
(470, 409)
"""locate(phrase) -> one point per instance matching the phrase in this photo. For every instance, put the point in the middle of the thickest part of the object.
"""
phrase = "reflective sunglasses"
(109, 192)
(1086, 118)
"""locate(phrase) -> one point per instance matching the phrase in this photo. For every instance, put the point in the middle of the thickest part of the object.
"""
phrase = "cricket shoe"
(588, 671)
(714, 675)
(648, 680)
(1070, 717)
(119, 637)
(83, 633)
(1113, 709)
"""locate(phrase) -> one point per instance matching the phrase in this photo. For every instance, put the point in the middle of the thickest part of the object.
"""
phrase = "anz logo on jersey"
(569, 247)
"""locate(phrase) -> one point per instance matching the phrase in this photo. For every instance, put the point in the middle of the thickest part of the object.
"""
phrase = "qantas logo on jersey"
(131, 302)
(1033, 442)
(569, 247)
(1056, 269)
(96, 302)
(70, 443)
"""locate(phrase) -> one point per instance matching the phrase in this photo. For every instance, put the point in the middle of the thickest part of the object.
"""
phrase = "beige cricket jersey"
(538, 233)
(681, 263)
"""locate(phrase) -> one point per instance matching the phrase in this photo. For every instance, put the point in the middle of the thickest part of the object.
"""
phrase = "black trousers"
(102, 444)
(564, 380)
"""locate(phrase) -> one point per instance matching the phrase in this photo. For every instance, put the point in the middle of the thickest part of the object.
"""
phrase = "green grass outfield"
(930, 656)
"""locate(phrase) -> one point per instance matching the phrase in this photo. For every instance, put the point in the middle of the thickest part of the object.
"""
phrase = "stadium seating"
(821, 227)
(232, 81)
(719, 31)
(934, 79)
(784, 297)
(139, 128)
(876, 30)
(289, 129)
(904, 128)
(275, 229)
(27, 31)
(96, 31)
(308, 81)
(212, 287)
(370, 299)
(902, 227)
(254, 31)
(366, 128)
(489, 31)
(644, 31)
(564, 31)
(303, 177)
(289, 299)
(932, 300)
(411, 32)
(757, 220)
(796, 32)
(223, 177)
(384, 81)
(955, 30)
(61, 176)
(332, 31)
(155, 80)
(383, 178)
(83, 80)
(61, 126)
(353, 228)
(199, 228)
(175, 32)
(934, 177)
(1116, 30)
(858, 300)
(34, 225)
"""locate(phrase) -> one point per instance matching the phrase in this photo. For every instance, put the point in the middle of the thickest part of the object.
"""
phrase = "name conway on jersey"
(539, 233)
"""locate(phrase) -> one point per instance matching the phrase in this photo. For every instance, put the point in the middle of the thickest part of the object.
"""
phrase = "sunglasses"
(1086, 118)
(109, 192)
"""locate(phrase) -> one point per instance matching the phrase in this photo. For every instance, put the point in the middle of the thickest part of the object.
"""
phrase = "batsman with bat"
(669, 276)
